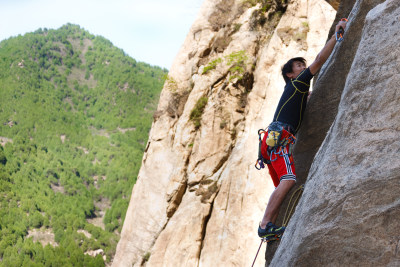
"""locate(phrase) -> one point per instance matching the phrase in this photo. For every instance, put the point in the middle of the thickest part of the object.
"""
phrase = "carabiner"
(340, 32)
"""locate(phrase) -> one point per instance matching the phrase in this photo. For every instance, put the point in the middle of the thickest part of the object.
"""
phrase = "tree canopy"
(75, 113)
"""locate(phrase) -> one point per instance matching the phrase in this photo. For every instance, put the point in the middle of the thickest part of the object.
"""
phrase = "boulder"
(350, 209)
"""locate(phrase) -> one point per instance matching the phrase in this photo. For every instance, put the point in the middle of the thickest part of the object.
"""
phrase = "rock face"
(198, 198)
(349, 214)
(328, 86)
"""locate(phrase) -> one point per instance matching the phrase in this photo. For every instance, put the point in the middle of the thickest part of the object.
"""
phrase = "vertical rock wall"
(349, 214)
(198, 198)
(328, 86)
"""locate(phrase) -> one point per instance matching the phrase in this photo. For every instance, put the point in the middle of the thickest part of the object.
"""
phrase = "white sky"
(151, 31)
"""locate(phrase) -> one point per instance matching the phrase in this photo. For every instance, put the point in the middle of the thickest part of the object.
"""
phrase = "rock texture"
(349, 214)
(198, 198)
(328, 86)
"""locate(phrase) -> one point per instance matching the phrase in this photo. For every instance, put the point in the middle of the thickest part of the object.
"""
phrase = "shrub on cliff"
(197, 111)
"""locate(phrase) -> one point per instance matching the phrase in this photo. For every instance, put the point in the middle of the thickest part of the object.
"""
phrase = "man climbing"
(275, 146)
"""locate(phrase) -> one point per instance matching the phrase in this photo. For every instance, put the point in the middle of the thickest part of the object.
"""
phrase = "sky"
(150, 31)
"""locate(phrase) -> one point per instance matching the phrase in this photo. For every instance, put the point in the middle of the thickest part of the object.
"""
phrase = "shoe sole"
(271, 238)
(271, 235)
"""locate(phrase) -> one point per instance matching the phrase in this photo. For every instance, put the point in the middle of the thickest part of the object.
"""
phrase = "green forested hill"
(75, 113)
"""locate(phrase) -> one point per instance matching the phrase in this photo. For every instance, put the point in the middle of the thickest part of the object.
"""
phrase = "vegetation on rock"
(236, 61)
(211, 65)
(197, 111)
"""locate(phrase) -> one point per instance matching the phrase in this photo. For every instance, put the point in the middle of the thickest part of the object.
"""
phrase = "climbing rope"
(294, 199)
(262, 241)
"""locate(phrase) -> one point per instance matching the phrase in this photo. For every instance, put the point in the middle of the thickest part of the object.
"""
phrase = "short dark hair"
(288, 67)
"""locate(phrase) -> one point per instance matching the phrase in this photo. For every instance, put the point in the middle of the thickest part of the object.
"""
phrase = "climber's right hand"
(341, 24)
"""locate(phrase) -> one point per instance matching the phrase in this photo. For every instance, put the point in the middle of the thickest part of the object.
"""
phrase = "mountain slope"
(75, 113)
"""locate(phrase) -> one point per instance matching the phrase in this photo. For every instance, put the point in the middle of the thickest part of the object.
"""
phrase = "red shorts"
(282, 166)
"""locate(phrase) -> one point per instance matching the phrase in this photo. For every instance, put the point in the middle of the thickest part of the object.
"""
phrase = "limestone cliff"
(198, 198)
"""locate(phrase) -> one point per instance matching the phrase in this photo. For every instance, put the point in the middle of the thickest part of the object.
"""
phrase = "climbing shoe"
(271, 231)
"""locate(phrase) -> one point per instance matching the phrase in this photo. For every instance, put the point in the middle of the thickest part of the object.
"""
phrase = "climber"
(288, 117)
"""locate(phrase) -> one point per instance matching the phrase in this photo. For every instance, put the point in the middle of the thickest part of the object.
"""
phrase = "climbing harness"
(340, 32)
(273, 140)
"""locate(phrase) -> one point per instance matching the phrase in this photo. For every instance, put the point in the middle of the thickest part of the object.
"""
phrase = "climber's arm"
(326, 51)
